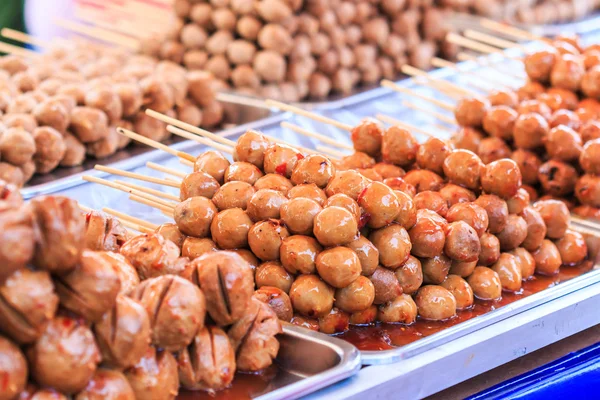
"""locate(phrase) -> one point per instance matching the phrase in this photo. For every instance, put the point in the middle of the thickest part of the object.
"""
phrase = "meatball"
(435, 303)
(386, 170)
(357, 296)
(14, 370)
(428, 235)
(463, 168)
(499, 122)
(509, 272)
(536, 228)
(236, 194)
(493, 149)
(17, 146)
(195, 247)
(485, 283)
(431, 201)
(155, 375)
(194, 215)
(563, 143)
(590, 157)
(525, 261)
(556, 216)
(387, 287)
(514, 234)
(399, 147)
(89, 124)
(567, 72)
(557, 178)
(587, 190)
(572, 248)
(250, 148)
(213, 163)
(338, 266)
(539, 65)
(277, 300)
(547, 258)
(435, 269)
(501, 178)
(107, 384)
(454, 194)
(274, 182)
(53, 113)
(242, 171)
(273, 274)
(393, 244)
(311, 296)
(432, 153)
(410, 275)
(460, 289)
(298, 254)
(462, 242)
(367, 253)
(503, 97)
(313, 168)
(357, 160)
(265, 239)
(400, 310)
(474, 215)
(467, 138)
(50, 149)
(470, 112)
(490, 249)
(309, 191)
(529, 131)
(422, 179)
(380, 204)
(334, 226)
(529, 164)
(266, 204)
(281, 159)
(367, 136)
(350, 183)
(230, 228)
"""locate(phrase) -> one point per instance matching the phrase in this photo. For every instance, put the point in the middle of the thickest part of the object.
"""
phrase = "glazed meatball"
(499, 122)
(309, 191)
(556, 217)
(503, 97)
(501, 178)
(407, 216)
(393, 244)
(399, 147)
(281, 159)
(518, 202)
(251, 147)
(572, 248)
(535, 106)
(563, 143)
(89, 124)
(566, 118)
(485, 283)
(313, 168)
(193, 216)
(514, 234)
(428, 235)
(435, 303)
(467, 138)
(242, 171)
(155, 375)
(343, 201)
(557, 178)
(431, 201)
(386, 170)
(367, 136)
(410, 275)
(509, 272)
(529, 164)
(422, 180)
(379, 203)
(454, 194)
(357, 296)
(335, 322)
(14, 370)
(273, 274)
(567, 72)
(525, 261)
(265, 238)
(435, 269)
(357, 160)
(311, 296)
(462, 242)
(213, 163)
(299, 214)
(493, 149)
(472, 214)
(463, 168)
(587, 190)
(234, 194)
(338, 266)
(460, 289)
(529, 131)
(590, 130)
(432, 153)
(266, 204)
(590, 157)
(539, 65)
(470, 112)
(277, 300)
(350, 183)
(536, 228)
(230, 228)
(17, 146)
(547, 258)
(367, 253)
(400, 310)
(107, 384)
(298, 254)
(387, 287)
(195, 247)
(334, 226)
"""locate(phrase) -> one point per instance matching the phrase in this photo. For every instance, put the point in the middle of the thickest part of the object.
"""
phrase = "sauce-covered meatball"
(435, 303)
(485, 283)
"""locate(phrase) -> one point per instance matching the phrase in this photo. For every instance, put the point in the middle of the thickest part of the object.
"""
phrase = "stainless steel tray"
(310, 361)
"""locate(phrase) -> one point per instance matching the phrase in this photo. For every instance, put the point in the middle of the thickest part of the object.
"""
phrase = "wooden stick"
(412, 71)
(425, 110)
(582, 221)
(153, 143)
(17, 51)
(419, 80)
(200, 139)
(510, 30)
(395, 87)
(308, 114)
(584, 231)
(190, 128)
(491, 40)
(394, 121)
(138, 228)
(322, 138)
(130, 219)
(141, 200)
(438, 62)
(186, 162)
(23, 37)
(133, 175)
(331, 152)
(486, 63)
(158, 167)
(476, 46)
(126, 189)
(98, 33)
(240, 99)
(144, 189)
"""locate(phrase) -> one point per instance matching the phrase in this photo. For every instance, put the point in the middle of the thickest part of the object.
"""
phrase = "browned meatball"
(25, 121)
(198, 184)
(338, 266)
(535, 106)
(194, 216)
(89, 124)
(65, 356)
(499, 122)
(529, 164)
(131, 98)
(567, 72)
(350, 183)
(155, 375)
(462, 242)
(435, 269)
(428, 235)
(485, 283)
(461, 291)
(463, 168)
(386, 170)
(265, 238)
(399, 185)
(557, 178)
(590, 157)
(367, 136)
(435, 303)
(393, 244)
(309, 191)
(74, 152)
(213, 163)
(281, 159)
(503, 97)
(356, 160)
(432, 153)
(14, 370)
(556, 216)
(250, 148)
(471, 111)
(501, 178)
(431, 201)
(158, 95)
(518, 202)
(195, 247)
(315, 169)
(236, 194)
(266, 204)
(421, 180)
(514, 234)
(572, 248)
(400, 310)
(536, 228)
(509, 272)
(539, 65)
(298, 254)
(53, 113)
(454, 194)
(493, 149)
(335, 322)
(273, 274)
(399, 147)
(380, 204)
(525, 261)
(305, 322)
(242, 171)
(367, 253)
(590, 131)
(365, 317)
(567, 118)
(274, 182)
(277, 300)
(530, 130)
(311, 296)
(229, 228)
(334, 226)
(547, 258)
(563, 143)
(17, 146)
(107, 384)
(410, 275)
(587, 190)
(472, 214)
(357, 296)
(467, 138)
(387, 287)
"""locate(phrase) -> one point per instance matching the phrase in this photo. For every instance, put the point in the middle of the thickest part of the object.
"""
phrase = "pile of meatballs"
(293, 49)
(88, 311)
(539, 12)
(389, 233)
(65, 104)
(550, 126)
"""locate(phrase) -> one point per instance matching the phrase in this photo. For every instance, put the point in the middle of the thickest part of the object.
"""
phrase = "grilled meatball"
(265, 204)
(572, 248)
(462, 242)
(547, 258)
(357, 296)
(265, 238)
(170, 232)
(380, 203)
(281, 159)
(195, 247)
(74, 152)
(587, 190)
(151, 254)
(274, 182)
(250, 148)
(567, 72)
(529, 131)
(499, 122)
(242, 171)
(17, 245)
(460, 289)
(556, 216)
(107, 384)
(89, 124)
(590, 157)
(315, 169)
(563, 143)
(367, 253)
(435, 303)
(470, 112)
(335, 226)
(17, 146)
(298, 254)
(50, 149)
(393, 245)
(539, 65)
(557, 178)
(194, 216)
(525, 262)
(463, 167)
(387, 287)
(529, 164)
(422, 180)
(311, 296)
(367, 136)
(467, 138)
(400, 310)
(212, 163)
(234, 194)
(432, 153)
(399, 147)
(503, 97)
(278, 300)
(431, 201)
(427, 235)
(338, 266)
(485, 283)
(273, 274)
(350, 183)
(154, 376)
(509, 272)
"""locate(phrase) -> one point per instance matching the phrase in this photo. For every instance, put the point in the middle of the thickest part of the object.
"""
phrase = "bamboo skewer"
(438, 62)
(394, 121)
(153, 143)
(510, 30)
(467, 57)
(308, 114)
(243, 100)
(17, 51)
(322, 138)
(144, 189)
(158, 167)
(190, 128)
(477, 46)
(133, 175)
(98, 33)
(126, 189)
(186, 162)
(139, 228)
(332, 152)
(582, 221)
(141, 200)
(412, 71)
(435, 114)
(397, 88)
(23, 37)
(584, 231)
(491, 40)
(199, 139)
(435, 85)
